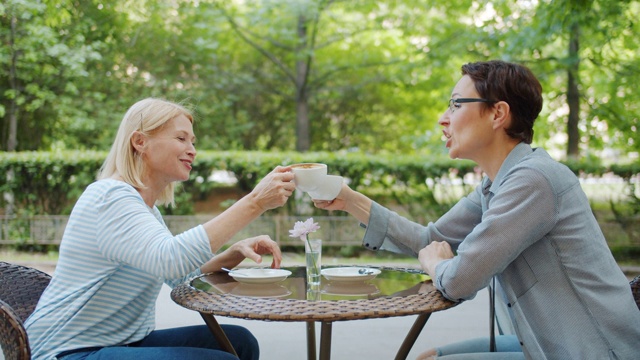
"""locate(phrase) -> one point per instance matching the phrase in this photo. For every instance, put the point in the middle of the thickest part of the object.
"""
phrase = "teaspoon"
(232, 271)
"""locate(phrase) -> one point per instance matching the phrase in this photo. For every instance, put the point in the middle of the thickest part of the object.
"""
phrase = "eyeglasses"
(455, 103)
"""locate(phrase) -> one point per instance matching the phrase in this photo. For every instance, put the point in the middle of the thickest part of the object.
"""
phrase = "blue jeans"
(191, 342)
(507, 348)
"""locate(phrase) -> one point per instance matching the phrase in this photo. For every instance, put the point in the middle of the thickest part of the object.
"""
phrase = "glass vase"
(313, 255)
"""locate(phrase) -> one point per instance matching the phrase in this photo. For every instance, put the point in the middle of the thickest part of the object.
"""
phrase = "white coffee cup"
(308, 176)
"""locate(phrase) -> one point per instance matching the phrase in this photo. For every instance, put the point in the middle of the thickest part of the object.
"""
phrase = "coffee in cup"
(308, 176)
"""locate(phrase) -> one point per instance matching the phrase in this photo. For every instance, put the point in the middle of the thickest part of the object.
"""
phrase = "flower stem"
(315, 265)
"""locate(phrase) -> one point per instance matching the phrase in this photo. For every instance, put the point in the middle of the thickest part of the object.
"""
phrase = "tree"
(43, 67)
(583, 52)
(315, 43)
(20, 57)
(323, 75)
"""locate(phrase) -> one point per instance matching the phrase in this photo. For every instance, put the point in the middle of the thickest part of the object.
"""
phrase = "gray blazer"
(533, 228)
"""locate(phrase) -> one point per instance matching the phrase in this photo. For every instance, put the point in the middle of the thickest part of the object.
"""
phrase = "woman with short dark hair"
(528, 223)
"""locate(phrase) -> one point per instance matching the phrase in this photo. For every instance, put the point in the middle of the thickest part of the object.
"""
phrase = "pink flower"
(302, 229)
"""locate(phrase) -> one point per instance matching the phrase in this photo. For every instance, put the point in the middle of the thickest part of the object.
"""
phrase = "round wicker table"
(394, 292)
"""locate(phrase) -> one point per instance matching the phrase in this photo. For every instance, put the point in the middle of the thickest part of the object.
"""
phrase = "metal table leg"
(219, 334)
(311, 340)
(492, 315)
(412, 336)
(325, 341)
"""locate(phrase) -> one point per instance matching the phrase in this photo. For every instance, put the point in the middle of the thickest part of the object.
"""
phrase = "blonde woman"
(116, 251)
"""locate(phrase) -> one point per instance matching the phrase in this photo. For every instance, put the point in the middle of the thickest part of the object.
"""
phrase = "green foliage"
(625, 253)
(626, 171)
(50, 182)
(47, 183)
(50, 51)
(381, 72)
(627, 214)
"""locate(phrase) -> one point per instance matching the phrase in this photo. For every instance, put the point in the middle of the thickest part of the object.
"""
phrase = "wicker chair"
(635, 289)
(20, 290)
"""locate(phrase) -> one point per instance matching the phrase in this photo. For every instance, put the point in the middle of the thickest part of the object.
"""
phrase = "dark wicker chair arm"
(20, 290)
(13, 336)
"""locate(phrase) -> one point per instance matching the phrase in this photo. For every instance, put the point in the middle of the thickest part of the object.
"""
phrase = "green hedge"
(47, 183)
(50, 182)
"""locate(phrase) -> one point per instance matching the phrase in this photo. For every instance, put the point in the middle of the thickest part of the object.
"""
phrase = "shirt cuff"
(377, 228)
(437, 280)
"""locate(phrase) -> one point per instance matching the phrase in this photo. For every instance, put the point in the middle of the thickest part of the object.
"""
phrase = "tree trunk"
(573, 94)
(12, 136)
(303, 131)
(302, 120)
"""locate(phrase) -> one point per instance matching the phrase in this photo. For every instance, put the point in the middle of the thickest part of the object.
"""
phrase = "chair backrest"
(21, 287)
(635, 289)
(20, 290)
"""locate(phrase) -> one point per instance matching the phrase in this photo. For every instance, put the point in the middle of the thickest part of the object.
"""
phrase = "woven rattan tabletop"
(418, 297)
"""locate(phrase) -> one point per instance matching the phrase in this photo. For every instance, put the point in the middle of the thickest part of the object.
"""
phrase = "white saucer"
(259, 276)
(351, 273)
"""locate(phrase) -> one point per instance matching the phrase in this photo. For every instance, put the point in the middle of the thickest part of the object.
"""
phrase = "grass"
(47, 261)
(21, 256)
(289, 258)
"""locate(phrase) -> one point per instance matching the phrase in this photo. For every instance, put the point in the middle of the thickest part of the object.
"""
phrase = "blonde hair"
(146, 116)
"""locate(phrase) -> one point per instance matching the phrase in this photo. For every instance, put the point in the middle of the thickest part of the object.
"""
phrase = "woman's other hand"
(251, 248)
(274, 189)
(432, 255)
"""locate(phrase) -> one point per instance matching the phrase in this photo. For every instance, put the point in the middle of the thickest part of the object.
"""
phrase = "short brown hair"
(514, 84)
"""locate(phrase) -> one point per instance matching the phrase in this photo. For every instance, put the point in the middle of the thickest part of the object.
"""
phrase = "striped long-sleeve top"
(115, 254)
